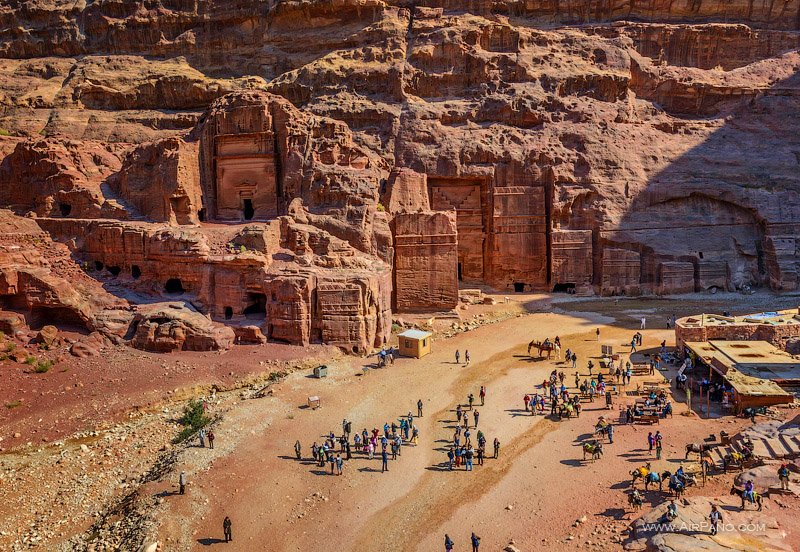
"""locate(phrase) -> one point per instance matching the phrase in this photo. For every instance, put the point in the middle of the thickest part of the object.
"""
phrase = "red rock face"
(426, 261)
(289, 163)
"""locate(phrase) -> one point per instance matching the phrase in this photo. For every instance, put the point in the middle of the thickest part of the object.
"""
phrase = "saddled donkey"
(542, 347)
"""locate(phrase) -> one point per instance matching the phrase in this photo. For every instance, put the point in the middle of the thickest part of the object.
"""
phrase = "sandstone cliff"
(520, 145)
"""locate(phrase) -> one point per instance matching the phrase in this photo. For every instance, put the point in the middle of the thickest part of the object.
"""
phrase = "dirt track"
(282, 504)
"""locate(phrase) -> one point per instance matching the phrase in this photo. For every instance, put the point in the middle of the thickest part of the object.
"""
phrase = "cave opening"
(228, 313)
(519, 287)
(460, 274)
(136, 272)
(114, 270)
(65, 209)
(247, 209)
(201, 215)
(98, 265)
(174, 286)
(257, 305)
(564, 288)
(61, 317)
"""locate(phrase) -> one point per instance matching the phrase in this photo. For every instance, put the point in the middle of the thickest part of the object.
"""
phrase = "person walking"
(476, 542)
(658, 449)
(384, 461)
(415, 435)
(597, 333)
(458, 357)
(419, 408)
(610, 434)
(339, 464)
(482, 394)
(226, 529)
(450, 458)
(458, 457)
(466, 357)
(633, 345)
(202, 436)
(211, 439)
(182, 482)
(332, 461)
(496, 447)
(574, 360)
(526, 399)
(644, 323)
(476, 415)
(783, 476)
(297, 449)
(715, 517)
(469, 457)
(448, 543)
(481, 454)
(470, 399)
(651, 442)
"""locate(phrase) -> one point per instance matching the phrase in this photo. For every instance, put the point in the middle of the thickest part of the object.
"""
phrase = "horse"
(737, 459)
(635, 500)
(566, 410)
(594, 448)
(756, 498)
(652, 477)
(676, 485)
(542, 346)
(640, 473)
(699, 448)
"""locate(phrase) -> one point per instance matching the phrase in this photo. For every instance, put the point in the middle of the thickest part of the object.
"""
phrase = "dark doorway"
(114, 270)
(201, 215)
(228, 313)
(136, 271)
(247, 209)
(564, 288)
(257, 306)
(65, 209)
(174, 286)
(519, 287)
(98, 265)
(459, 272)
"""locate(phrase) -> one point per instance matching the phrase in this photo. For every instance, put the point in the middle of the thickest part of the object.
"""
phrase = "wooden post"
(708, 394)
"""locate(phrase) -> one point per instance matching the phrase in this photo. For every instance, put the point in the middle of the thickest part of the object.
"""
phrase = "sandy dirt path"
(279, 503)
(270, 494)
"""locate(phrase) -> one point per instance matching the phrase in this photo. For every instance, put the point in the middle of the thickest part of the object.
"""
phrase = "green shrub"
(4, 132)
(13, 404)
(10, 347)
(194, 418)
(31, 360)
(43, 366)
(381, 208)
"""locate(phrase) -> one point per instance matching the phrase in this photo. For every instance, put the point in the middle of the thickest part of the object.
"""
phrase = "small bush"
(43, 366)
(381, 208)
(10, 347)
(13, 404)
(31, 360)
(194, 418)
(4, 132)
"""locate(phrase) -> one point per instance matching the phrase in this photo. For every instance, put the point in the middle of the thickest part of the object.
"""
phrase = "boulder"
(48, 336)
(690, 530)
(169, 327)
(11, 323)
(249, 334)
(82, 349)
